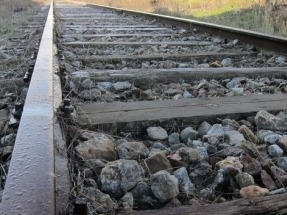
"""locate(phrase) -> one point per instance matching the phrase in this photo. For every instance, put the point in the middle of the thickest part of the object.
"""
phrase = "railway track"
(125, 104)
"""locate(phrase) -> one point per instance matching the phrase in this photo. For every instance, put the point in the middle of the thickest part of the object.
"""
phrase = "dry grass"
(142, 5)
(9, 7)
(267, 16)
(10, 16)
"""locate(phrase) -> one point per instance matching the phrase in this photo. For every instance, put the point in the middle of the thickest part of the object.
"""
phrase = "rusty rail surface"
(260, 40)
(30, 186)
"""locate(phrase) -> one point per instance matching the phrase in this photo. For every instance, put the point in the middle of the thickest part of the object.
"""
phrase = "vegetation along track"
(156, 112)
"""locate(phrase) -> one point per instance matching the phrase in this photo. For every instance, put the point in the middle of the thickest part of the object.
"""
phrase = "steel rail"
(260, 40)
(30, 186)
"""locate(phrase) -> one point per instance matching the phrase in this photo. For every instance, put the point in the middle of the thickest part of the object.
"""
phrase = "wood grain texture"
(119, 58)
(136, 116)
(109, 26)
(128, 29)
(145, 77)
(270, 205)
(192, 43)
(114, 35)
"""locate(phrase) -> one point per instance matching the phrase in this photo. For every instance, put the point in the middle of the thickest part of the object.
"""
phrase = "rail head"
(260, 40)
(30, 186)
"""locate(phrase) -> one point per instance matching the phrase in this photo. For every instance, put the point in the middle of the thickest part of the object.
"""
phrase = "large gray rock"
(237, 90)
(144, 197)
(248, 134)
(151, 94)
(229, 151)
(177, 146)
(168, 64)
(202, 152)
(105, 85)
(157, 133)
(88, 84)
(134, 150)
(157, 162)
(101, 202)
(6, 151)
(172, 204)
(243, 179)
(140, 190)
(216, 131)
(281, 162)
(188, 133)
(172, 92)
(282, 115)
(195, 143)
(183, 65)
(72, 86)
(207, 195)
(211, 149)
(185, 184)
(8, 140)
(120, 176)
(275, 151)
(234, 82)
(173, 139)
(159, 145)
(80, 74)
(267, 121)
(96, 165)
(229, 124)
(189, 155)
(261, 134)
(164, 186)
(187, 95)
(233, 137)
(69, 55)
(154, 151)
(126, 203)
(272, 138)
(280, 60)
(226, 62)
(213, 140)
(97, 146)
(90, 95)
(249, 148)
(201, 174)
(217, 40)
(203, 128)
(121, 86)
(219, 180)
